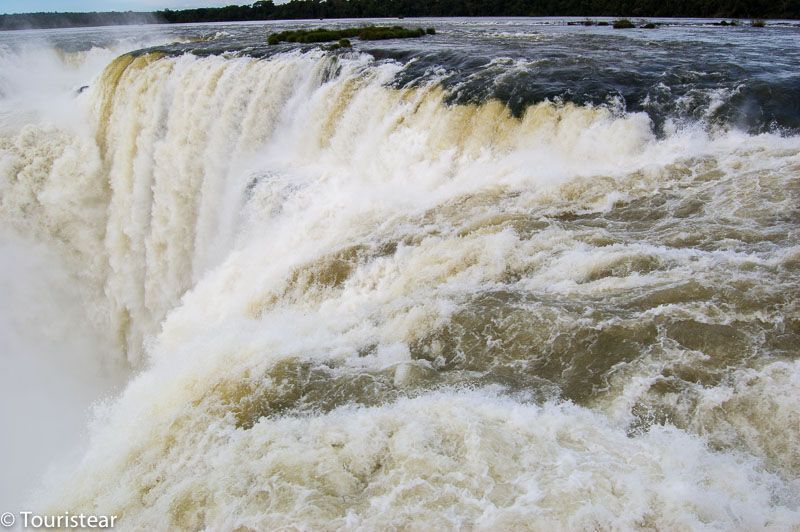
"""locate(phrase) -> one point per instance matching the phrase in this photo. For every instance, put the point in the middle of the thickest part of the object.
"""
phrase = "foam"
(251, 225)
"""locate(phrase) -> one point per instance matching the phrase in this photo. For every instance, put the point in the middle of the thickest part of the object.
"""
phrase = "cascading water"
(353, 302)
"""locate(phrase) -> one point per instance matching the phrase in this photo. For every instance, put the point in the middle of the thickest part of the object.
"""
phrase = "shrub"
(649, 26)
(377, 33)
(345, 43)
(431, 31)
(623, 24)
(366, 33)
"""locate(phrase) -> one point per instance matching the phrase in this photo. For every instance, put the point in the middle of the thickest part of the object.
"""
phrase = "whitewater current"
(350, 290)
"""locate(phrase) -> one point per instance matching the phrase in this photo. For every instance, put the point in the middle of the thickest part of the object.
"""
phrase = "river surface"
(519, 274)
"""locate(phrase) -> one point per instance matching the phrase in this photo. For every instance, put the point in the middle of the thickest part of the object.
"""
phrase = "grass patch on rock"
(343, 43)
(365, 33)
(623, 24)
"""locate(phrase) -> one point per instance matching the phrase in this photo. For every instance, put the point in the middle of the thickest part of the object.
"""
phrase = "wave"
(445, 460)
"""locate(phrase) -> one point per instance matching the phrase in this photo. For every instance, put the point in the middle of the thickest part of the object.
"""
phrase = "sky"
(31, 6)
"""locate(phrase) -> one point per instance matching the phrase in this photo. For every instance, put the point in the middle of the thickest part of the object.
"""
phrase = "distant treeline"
(74, 20)
(316, 9)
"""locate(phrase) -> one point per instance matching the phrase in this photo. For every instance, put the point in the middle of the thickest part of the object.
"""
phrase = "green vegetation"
(365, 33)
(333, 9)
(758, 23)
(379, 33)
(311, 36)
(343, 43)
(726, 23)
(620, 24)
(431, 31)
(328, 9)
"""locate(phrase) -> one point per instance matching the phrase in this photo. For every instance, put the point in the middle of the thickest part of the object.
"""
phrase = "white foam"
(243, 206)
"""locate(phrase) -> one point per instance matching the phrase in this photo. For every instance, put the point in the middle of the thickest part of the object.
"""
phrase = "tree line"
(27, 21)
(316, 9)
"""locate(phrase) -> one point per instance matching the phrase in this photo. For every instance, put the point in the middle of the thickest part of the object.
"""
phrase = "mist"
(54, 363)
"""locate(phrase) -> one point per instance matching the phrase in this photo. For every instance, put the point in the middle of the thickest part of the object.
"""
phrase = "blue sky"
(28, 6)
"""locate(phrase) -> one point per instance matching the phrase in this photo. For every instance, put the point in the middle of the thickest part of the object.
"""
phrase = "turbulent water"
(516, 275)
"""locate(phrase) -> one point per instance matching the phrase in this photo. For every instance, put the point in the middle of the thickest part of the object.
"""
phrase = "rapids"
(352, 290)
